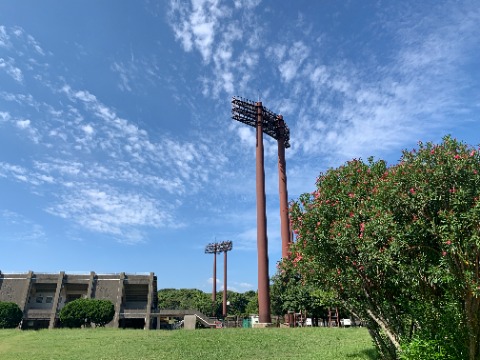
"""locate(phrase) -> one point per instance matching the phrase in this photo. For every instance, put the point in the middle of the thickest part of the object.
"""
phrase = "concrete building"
(41, 296)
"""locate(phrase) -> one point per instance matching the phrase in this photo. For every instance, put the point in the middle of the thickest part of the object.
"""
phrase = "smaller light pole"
(212, 248)
(225, 246)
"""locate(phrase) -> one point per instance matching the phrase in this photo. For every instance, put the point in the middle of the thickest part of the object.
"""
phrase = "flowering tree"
(399, 246)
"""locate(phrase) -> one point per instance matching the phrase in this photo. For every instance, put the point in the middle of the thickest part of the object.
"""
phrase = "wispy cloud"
(102, 167)
(17, 228)
(4, 38)
(125, 76)
(9, 66)
(4, 116)
(224, 36)
(339, 108)
(196, 24)
(336, 106)
(111, 211)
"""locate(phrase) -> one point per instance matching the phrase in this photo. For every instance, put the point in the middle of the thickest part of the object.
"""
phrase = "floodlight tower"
(256, 115)
(283, 138)
(225, 246)
(212, 248)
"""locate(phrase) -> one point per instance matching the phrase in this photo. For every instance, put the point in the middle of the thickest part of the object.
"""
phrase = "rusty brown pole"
(282, 188)
(224, 285)
(262, 241)
(214, 292)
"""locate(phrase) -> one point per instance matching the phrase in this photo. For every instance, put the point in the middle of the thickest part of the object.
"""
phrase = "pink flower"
(351, 195)
(444, 253)
(448, 242)
(362, 228)
(298, 258)
(456, 157)
(412, 191)
(472, 153)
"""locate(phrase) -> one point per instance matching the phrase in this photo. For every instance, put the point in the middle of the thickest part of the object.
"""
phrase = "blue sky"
(117, 149)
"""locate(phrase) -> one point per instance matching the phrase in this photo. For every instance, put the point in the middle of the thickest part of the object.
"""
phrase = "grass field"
(298, 343)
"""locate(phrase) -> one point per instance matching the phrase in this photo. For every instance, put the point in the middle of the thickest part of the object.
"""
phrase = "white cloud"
(297, 54)
(34, 43)
(218, 32)
(112, 211)
(195, 24)
(11, 69)
(23, 124)
(249, 4)
(4, 38)
(26, 125)
(125, 74)
(247, 136)
(9, 168)
(88, 129)
(4, 116)
(18, 31)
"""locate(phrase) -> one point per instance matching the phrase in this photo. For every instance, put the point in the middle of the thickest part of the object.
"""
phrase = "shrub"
(10, 315)
(425, 350)
(86, 311)
(101, 312)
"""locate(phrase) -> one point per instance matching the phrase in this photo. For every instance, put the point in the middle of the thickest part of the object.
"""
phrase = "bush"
(101, 312)
(425, 350)
(86, 311)
(10, 315)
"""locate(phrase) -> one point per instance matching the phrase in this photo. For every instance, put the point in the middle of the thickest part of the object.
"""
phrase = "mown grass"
(299, 343)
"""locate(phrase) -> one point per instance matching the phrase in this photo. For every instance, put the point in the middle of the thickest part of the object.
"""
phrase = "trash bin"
(246, 323)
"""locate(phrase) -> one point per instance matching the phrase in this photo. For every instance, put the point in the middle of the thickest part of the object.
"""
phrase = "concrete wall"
(42, 296)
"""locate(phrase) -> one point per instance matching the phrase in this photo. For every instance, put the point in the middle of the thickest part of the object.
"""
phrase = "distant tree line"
(241, 304)
(286, 296)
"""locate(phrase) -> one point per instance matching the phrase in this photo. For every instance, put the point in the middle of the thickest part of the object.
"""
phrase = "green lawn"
(299, 343)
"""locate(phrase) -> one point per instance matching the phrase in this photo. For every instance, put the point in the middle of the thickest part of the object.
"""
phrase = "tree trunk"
(385, 349)
(382, 324)
(472, 307)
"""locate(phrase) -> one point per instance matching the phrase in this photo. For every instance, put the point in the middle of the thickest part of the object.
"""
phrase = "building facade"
(41, 296)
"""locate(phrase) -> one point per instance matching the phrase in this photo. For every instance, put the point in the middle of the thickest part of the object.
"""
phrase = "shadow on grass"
(366, 354)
